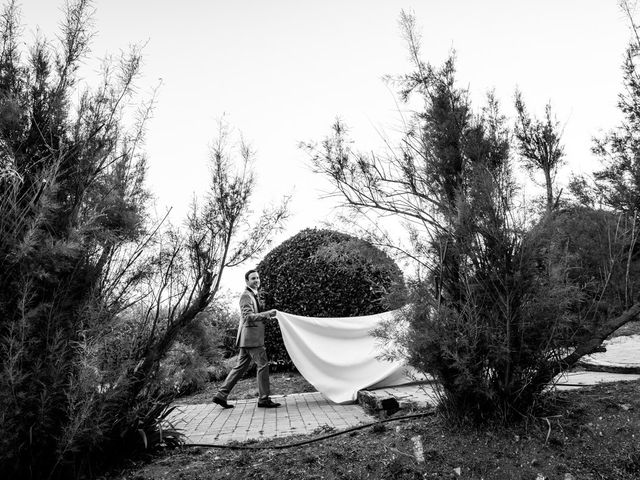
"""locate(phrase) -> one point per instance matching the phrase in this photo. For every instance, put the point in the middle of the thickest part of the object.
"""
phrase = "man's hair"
(246, 275)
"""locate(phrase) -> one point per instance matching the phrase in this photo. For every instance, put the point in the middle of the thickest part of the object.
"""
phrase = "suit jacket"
(251, 328)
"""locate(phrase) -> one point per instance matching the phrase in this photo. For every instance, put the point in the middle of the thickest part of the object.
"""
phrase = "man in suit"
(250, 339)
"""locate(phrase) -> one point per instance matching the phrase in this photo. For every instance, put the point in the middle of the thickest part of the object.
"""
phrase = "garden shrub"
(517, 315)
(596, 252)
(324, 273)
(183, 370)
(202, 352)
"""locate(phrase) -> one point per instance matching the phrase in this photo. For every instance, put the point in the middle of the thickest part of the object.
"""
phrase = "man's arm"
(249, 315)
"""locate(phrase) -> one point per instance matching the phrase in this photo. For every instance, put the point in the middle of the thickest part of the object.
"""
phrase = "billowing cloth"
(338, 355)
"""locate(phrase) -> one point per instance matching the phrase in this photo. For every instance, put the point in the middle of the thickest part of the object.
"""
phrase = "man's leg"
(244, 360)
(259, 355)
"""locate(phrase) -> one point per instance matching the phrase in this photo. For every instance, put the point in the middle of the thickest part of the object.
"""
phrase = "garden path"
(308, 413)
(300, 414)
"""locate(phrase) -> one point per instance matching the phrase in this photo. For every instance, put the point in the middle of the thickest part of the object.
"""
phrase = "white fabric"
(338, 355)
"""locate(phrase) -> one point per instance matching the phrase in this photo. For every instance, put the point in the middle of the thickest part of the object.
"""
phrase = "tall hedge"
(324, 273)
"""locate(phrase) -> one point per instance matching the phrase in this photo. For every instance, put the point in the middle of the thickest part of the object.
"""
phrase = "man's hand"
(271, 313)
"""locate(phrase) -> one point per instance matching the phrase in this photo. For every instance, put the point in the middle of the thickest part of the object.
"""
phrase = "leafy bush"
(595, 251)
(519, 317)
(324, 273)
(213, 334)
(183, 370)
(202, 351)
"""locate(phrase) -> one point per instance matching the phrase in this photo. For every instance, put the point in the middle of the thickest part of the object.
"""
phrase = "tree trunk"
(549, 185)
(585, 348)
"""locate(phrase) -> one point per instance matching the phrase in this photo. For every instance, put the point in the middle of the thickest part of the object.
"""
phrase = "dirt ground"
(593, 433)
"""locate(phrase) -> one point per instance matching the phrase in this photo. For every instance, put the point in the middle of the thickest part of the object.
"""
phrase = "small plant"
(202, 351)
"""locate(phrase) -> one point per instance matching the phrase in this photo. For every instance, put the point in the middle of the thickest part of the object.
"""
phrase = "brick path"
(302, 413)
(307, 413)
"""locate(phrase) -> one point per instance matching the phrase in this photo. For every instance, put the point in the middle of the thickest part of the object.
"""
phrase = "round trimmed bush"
(324, 273)
(596, 252)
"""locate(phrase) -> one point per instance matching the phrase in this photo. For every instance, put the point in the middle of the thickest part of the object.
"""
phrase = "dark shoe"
(222, 403)
(267, 404)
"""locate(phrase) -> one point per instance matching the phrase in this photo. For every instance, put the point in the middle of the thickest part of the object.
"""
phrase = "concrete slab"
(622, 355)
(573, 380)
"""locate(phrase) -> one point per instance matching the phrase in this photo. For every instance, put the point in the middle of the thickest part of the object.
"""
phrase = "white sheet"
(338, 355)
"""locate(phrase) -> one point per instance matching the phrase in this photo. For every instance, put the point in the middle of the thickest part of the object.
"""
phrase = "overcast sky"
(283, 70)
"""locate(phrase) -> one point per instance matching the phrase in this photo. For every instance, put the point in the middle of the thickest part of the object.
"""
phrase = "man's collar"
(255, 292)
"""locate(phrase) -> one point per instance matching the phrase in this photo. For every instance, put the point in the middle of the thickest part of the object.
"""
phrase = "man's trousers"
(259, 356)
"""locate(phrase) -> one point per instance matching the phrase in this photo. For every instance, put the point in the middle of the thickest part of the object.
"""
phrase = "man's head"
(252, 279)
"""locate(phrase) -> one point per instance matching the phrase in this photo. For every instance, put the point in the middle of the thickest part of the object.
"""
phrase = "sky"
(281, 71)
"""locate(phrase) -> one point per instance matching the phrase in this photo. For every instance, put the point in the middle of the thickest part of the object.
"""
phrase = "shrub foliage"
(324, 273)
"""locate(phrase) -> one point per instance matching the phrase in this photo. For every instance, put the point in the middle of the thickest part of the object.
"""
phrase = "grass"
(592, 433)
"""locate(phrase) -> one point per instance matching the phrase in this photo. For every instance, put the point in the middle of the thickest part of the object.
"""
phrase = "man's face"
(254, 280)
